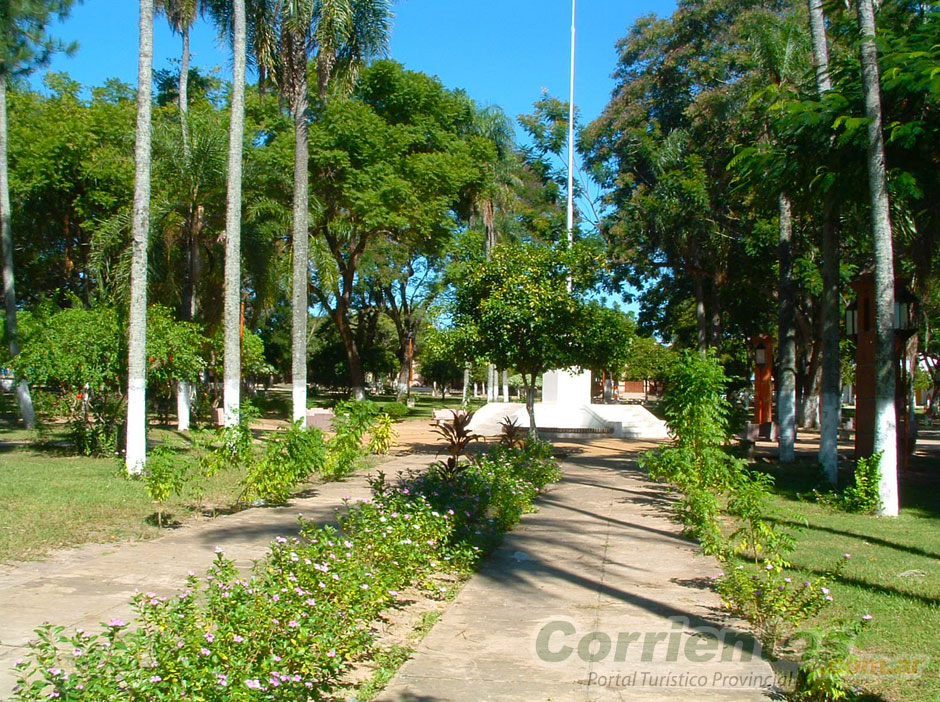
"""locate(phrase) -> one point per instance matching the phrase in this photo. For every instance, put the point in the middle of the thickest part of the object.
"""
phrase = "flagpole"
(570, 223)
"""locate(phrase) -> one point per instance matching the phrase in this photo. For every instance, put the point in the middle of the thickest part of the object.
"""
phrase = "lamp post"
(860, 324)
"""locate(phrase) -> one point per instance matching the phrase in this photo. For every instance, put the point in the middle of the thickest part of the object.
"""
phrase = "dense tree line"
(746, 183)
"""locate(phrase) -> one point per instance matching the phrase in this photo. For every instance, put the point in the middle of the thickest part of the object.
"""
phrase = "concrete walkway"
(595, 597)
(90, 584)
(599, 563)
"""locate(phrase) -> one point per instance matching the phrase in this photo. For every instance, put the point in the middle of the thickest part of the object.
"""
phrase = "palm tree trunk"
(23, 398)
(786, 382)
(184, 92)
(885, 439)
(831, 401)
(233, 213)
(136, 454)
(831, 387)
(184, 393)
(299, 297)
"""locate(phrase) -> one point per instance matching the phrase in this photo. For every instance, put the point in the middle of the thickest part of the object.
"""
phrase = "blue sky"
(502, 52)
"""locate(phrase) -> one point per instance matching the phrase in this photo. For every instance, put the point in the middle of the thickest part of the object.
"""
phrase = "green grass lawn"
(52, 500)
(893, 574)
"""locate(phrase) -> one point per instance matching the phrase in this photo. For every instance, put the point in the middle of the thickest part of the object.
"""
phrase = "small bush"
(382, 435)
(771, 602)
(825, 658)
(863, 496)
(396, 410)
(165, 475)
(290, 458)
(458, 437)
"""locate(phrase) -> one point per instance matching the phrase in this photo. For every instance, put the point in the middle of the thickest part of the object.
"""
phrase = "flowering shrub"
(288, 630)
(771, 602)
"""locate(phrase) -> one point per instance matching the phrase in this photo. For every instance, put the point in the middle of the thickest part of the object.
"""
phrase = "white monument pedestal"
(562, 387)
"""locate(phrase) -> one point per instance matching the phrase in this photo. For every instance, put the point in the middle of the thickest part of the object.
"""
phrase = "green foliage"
(513, 435)
(765, 596)
(232, 447)
(290, 458)
(697, 462)
(352, 420)
(165, 475)
(24, 42)
(382, 435)
(289, 630)
(695, 403)
(79, 356)
(862, 497)
(518, 310)
(758, 537)
(396, 410)
(826, 657)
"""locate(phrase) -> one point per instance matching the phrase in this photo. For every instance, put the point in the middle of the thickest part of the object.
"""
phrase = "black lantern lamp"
(851, 319)
(905, 320)
(760, 355)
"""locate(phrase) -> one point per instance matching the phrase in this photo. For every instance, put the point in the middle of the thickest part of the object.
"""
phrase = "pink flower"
(867, 617)
(117, 623)
(155, 679)
(237, 638)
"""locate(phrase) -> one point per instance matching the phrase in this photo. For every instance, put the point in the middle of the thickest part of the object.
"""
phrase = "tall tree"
(233, 213)
(181, 14)
(831, 404)
(343, 35)
(885, 439)
(136, 454)
(24, 45)
(786, 382)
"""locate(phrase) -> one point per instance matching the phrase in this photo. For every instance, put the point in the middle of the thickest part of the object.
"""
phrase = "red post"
(763, 379)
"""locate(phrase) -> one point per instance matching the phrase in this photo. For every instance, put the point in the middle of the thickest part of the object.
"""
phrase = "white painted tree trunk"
(885, 439)
(466, 384)
(786, 383)
(136, 449)
(299, 298)
(505, 386)
(233, 213)
(831, 400)
(184, 404)
(23, 398)
(184, 390)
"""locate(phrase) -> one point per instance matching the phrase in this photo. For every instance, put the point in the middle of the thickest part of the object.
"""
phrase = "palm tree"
(343, 35)
(777, 48)
(136, 454)
(181, 14)
(831, 404)
(885, 440)
(493, 124)
(24, 44)
(233, 212)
